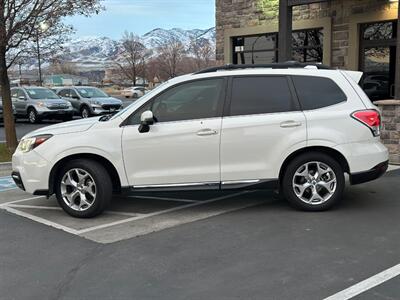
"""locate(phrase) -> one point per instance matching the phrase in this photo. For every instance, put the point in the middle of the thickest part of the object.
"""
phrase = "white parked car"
(133, 92)
(290, 127)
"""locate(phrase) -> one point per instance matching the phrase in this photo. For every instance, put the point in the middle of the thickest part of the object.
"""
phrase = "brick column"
(391, 128)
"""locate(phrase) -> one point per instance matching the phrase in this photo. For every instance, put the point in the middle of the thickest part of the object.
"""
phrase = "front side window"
(188, 101)
(64, 93)
(260, 95)
(317, 92)
(36, 93)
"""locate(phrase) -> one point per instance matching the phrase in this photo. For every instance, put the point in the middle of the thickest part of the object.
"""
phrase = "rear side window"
(260, 95)
(317, 92)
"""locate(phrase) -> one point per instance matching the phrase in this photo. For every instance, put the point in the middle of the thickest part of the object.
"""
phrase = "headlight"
(40, 104)
(28, 144)
(94, 102)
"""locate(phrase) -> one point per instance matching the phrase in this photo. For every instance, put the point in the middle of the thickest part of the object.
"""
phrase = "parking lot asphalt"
(238, 245)
(23, 126)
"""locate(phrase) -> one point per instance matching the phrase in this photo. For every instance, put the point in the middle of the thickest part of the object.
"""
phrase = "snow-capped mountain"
(97, 53)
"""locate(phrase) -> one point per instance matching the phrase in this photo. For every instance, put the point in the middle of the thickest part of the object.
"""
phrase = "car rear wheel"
(33, 116)
(85, 112)
(313, 182)
(83, 188)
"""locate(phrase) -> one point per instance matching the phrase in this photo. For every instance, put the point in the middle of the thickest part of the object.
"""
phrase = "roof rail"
(285, 65)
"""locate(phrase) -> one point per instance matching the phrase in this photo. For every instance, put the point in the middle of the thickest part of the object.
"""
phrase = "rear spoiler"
(355, 75)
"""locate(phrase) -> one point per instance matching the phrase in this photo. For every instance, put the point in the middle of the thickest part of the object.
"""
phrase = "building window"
(263, 49)
(308, 45)
(257, 49)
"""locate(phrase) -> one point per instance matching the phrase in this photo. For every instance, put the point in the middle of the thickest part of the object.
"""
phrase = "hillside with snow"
(97, 53)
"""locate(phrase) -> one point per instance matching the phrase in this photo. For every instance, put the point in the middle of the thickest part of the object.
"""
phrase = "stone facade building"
(349, 34)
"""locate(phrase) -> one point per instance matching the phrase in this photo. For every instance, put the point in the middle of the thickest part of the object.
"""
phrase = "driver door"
(182, 146)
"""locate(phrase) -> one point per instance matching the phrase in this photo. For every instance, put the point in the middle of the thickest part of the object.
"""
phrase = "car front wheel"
(85, 112)
(313, 182)
(33, 116)
(83, 188)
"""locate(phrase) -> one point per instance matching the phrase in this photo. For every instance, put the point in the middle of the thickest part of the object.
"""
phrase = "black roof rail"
(285, 65)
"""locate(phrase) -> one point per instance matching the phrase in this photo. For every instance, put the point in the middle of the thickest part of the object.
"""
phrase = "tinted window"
(317, 92)
(194, 100)
(63, 93)
(259, 95)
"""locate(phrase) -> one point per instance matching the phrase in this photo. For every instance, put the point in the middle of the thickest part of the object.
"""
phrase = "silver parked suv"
(89, 101)
(37, 103)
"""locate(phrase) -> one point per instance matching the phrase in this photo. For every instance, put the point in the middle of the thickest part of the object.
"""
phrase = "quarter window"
(259, 95)
(317, 92)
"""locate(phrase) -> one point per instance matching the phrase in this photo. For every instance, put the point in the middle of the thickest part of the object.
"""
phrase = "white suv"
(292, 127)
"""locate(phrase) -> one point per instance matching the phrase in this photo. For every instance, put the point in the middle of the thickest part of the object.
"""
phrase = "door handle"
(205, 132)
(290, 124)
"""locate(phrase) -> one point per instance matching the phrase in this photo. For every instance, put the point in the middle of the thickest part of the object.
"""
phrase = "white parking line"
(367, 284)
(40, 220)
(21, 200)
(159, 212)
(34, 206)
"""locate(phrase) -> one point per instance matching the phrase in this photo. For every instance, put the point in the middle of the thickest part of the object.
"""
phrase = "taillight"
(370, 118)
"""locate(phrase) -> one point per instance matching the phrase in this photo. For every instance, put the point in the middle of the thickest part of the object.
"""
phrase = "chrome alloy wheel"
(78, 189)
(314, 183)
(32, 116)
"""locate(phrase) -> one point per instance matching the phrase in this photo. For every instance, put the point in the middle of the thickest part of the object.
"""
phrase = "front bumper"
(54, 113)
(18, 180)
(30, 171)
(372, 174)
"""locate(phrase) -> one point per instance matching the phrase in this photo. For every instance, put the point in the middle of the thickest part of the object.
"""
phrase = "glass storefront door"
(378, 59)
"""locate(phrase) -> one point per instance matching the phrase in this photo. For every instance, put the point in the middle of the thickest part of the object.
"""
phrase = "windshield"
(91, 93)
(41, 94)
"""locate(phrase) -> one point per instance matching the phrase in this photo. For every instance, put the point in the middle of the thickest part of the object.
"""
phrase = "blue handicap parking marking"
(7, 183)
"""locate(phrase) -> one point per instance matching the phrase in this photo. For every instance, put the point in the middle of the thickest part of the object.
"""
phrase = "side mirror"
(75, 97)
(146, 119)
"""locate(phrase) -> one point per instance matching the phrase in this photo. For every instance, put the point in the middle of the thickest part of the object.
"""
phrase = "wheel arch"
(339, 157)
(110, 168)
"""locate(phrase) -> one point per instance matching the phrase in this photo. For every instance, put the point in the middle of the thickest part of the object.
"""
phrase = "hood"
(66, 127)
(53, 101)
(108, 100)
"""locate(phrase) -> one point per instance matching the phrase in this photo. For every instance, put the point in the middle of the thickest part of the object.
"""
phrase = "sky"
(142, 16)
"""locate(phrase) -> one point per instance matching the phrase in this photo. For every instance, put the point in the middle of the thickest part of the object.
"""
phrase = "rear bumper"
(372, 174)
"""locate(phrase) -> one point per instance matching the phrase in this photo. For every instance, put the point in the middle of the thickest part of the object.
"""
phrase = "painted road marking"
(367, 284)
(7, 183)
(159, 212)
(12, 207)
(40, 220)
(21, 200)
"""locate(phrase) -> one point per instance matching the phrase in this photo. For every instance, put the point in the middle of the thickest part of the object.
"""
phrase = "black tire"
(85, 112)
(103, 188)
(287, 187)
(33, 116)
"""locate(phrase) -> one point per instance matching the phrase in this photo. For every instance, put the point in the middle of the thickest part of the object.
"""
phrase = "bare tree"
(170, 54)
(203, 53)
(134, 56)
(20, 23)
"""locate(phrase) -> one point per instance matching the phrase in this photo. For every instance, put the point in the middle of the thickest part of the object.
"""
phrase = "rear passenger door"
(262, 124)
